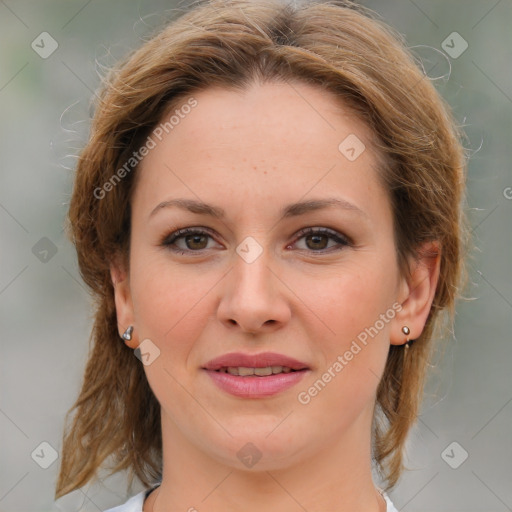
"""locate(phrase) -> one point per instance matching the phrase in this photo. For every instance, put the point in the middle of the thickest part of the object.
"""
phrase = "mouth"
(255, 376)
(244, 371)
(262, 364)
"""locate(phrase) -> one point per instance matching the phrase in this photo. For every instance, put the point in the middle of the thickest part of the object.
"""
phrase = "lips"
(255, 376)
(263, 360)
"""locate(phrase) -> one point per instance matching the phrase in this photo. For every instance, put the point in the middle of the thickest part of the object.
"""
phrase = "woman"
(268, 212)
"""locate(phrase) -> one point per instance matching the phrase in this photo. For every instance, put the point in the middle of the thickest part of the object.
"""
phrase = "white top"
(134, 504)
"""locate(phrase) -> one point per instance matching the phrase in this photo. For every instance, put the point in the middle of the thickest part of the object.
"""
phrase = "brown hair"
(335, 45)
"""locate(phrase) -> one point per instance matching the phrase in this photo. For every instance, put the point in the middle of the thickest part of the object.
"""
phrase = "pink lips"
(255, 386)
(254, 361)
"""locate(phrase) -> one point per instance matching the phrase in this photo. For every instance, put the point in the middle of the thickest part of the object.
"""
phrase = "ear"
(123, 299)
(417, 293)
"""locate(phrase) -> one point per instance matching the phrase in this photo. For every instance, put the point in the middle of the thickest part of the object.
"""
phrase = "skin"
(252, 153)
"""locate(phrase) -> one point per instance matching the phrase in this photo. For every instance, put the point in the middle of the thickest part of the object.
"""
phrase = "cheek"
(169, 309)
(167, 300)
(354, 354)
(355, 307)
(352, 298)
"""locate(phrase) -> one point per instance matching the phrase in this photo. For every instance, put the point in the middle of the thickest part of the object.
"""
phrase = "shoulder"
(134, 504)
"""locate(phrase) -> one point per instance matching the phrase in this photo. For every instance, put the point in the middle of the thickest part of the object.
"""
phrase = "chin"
(260, 444)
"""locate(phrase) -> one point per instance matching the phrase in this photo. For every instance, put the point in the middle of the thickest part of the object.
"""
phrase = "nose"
(254, 298)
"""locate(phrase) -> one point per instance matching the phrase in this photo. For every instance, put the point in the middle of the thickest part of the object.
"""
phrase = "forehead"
(272, 140)
(292, 111)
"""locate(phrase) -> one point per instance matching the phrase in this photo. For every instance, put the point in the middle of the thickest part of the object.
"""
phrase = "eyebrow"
(291, 210)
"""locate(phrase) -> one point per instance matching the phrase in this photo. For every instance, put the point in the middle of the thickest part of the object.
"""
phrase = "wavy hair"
(336, 45)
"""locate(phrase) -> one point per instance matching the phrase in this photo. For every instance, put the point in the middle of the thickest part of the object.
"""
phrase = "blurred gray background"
(459, 455)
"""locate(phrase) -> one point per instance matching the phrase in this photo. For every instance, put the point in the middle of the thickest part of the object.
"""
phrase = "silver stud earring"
(406, 331)
(127, 335)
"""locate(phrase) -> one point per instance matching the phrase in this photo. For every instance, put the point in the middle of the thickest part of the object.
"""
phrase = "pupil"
(196, 239)
(316, 238)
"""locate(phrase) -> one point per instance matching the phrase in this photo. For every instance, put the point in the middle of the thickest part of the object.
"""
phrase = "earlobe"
(123, 302)
(417, 294)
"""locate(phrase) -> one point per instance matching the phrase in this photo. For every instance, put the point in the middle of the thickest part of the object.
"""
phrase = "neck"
(336, 478)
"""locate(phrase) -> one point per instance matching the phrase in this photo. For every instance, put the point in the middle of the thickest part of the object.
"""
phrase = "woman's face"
(246, 279)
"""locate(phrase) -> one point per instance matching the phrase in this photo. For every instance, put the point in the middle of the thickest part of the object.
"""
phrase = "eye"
(191, 239)
(317, 239)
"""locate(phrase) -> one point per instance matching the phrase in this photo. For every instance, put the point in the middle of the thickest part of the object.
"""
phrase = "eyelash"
(342, 240)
